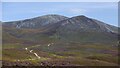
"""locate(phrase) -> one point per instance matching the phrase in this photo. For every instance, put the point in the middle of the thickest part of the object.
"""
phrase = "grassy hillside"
(58, 49)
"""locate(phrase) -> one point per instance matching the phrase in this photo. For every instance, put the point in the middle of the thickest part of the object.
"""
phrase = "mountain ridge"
(77, 26)
(51, 18)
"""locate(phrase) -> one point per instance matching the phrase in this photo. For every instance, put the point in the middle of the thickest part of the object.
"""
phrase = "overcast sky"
(104, 11)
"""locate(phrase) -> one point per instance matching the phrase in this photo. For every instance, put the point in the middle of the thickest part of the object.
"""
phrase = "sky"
(59, 0)
(103, 11)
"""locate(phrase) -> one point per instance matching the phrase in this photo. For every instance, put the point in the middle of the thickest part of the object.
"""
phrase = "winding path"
(31, 51)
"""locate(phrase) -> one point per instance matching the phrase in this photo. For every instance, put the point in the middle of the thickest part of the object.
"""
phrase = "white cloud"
(77, 11)
(104, 5)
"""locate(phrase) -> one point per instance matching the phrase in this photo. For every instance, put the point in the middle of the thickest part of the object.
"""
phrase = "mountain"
(55, 40)
(82, 22)
(82, 28)
(78, 28)
(37, 22)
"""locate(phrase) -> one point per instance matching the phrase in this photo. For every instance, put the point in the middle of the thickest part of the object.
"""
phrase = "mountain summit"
(37, 22)
(83, 23)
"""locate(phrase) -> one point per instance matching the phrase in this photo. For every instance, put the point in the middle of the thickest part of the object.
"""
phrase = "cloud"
(77, 11)
(104, 5)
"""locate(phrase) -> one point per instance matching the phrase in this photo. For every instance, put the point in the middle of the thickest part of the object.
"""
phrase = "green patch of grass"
(89, 62)
(36, 61)
(101, 46)
(13, 54)
(104, 57)
(11, 46)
